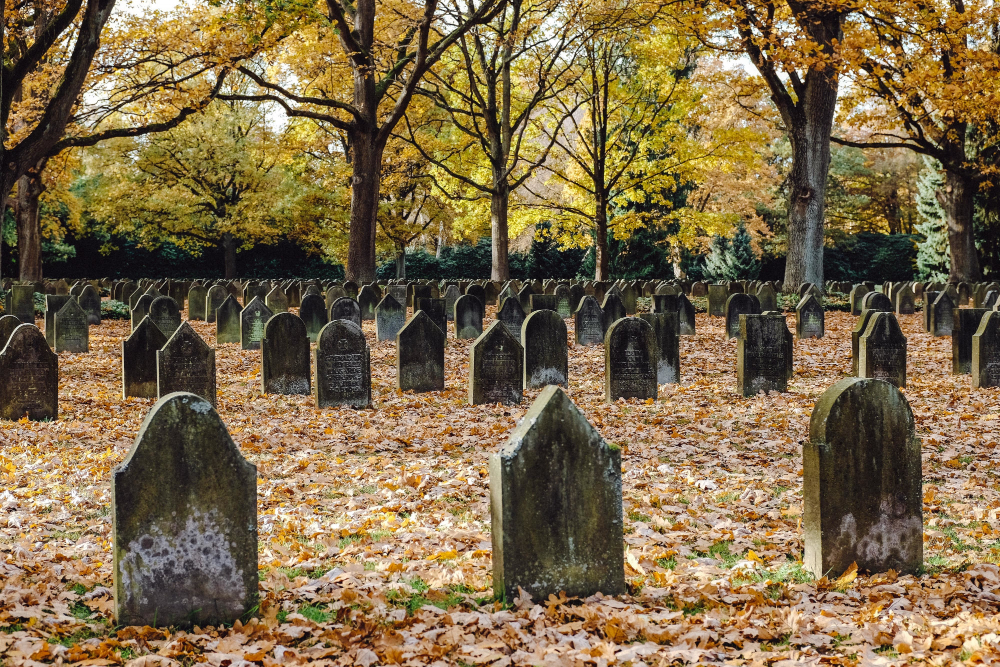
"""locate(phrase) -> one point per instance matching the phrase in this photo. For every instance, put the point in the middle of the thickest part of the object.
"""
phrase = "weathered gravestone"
(556, 506)
(524, 298)
(72, 333)
(312, 311)
(90, 302)
(761, 350)
(140, 310)
(718, 294)
(809, 318)
(985, 351)
(876, 301)
(21, 303)
(451, 295)
(434, 309)
(882, 350)
(512, 315)
(139, 360)
(198, 303)
(420, 355)
(860, 327)
(227, 321)
(666, 329)
(544, 302)
(165, 314)
(138, 294)
(185, 521)
(546, 350)
(53, 303)
(613, 308)
(276, 301)
(858, 293)
(564, 301)
(928, 311)
(252, 321)
(469, 314)
(589, 322)
(990, 300)
(7, 325)
(346, 308)
(942, 314)
(214, 298)
(699, 288)
(285, 356)
(630, 299)
(333, 294)
(390, 316)
(343, 366)
(965, 323)
(905, 301)
(739, 304)
(861, 481)
(368, 299)
(630, 355)
(767, 298)
(254, 291)
(186, 363)
(496, 367)
(30, 372)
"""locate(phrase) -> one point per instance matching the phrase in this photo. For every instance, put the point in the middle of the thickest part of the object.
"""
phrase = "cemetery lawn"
(374, 524)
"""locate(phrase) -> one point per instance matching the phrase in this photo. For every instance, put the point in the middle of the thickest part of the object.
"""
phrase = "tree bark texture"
(366, 164)
(957, 199)
(602, 259)
(499, 202)
(229, 255)
(29, 232)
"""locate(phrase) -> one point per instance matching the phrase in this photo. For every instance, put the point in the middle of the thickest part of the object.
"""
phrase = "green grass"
(366, 489)
(789, 573)
(379, 535)
(80, 635)
(934, 564)
(81, 611)
(79, 589)
(344, 541)
(636, 516)
(295, 572)
(727, 498)
(956, 542)
(667, 563)
(315, 614)
(413, 602)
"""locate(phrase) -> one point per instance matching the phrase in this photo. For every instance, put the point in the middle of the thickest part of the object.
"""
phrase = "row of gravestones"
(185, 538)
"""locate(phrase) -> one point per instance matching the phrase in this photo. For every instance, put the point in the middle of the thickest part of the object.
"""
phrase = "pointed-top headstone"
(496, 367)
(390, 316)
(139, 360)
(252, 320)
(512, 315)
(420, 355)
(30, 372)
(186, 363)
(276, 301)
(809, 318)
(227, 321)
(882, 350)
(72, 333)
(546, 350)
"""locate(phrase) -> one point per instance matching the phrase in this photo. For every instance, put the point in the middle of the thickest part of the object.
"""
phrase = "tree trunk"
(229, 253)
(602, 260)
(401, 265)
(498, 222)
(366, 163)
(439, 240)
(29, 232)
(956, 198)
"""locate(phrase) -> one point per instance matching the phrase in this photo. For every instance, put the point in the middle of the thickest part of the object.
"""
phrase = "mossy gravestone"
(197, 303)
(139, 360)
(589, 321)
(185, 521)
(965, 323)
(53, 302)
(613, 308)
(496, 367)
(90, 301)
(761, 348)
(739, 304)
(165, 314)
(767, 298)
(524, 298)
(876, 301)
(985, 351)
(214, 298)
(905, 301)
(668, 358)
(276, 301)
(368, 299)
(546, 350)
(512, 315)
(21, 303)
(630, 354)
(390, 316)
(312, 311)
(718, 294)
(186, 363)
(544, 302)
(343, 367)
(928, 311)
(285, 356)
(942, 315)
(858, 293)
(451, 296)
(434, 309)
(7, 325)
(332, 295)
(861, 482)
(227, 321)
(564, 301)
(252, 321)
(72, 333)
(882, 350)
(859, 329)
(469, 314)
(30, 372)
(346, 308)
(556, 506)
(420, 355)
(809, 318)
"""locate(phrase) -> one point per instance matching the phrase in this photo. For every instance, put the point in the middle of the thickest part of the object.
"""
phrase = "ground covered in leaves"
(375, 532)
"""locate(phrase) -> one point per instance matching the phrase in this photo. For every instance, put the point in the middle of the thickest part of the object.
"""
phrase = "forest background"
(793, 140)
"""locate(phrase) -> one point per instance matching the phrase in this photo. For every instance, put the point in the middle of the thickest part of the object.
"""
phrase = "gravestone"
(343, 365)
(53, 302)
(346, 308)
(61, 288)
(630, 356)
(556, 506)
(7, 325)
(90, 302)
(198, 303)
(276, 301)
(139, 360)
(141, 310)
(72, 333)
(524, 298)
(351, 288)
(882, 350)
(252, 321)
(492, 293)
(928, 310)
(965, 323)
(165, 314)
(185, 521)
(214, 298)
(254, 291)
(434, 308)
(450, 297)
(390, 316)
(904, 301)
(312, 311)
(544, 302)
(767, 298)
(368, 299)
(469, 314)
(227, 322)
(985, 351)
(546, 350)
(858, 293)
(496, 367)
(861, 479)
(699, 288)
(420, 355)
(128, 289)
(629, 298)
(564, 301)
(30, 372)
(416, 293)
(666, 327)
(990, 300)
(718, 295)
(333, 294)
(876, 301)
(285, 355)
(589, 322)
(739, 304)
(512, 315)
(942, 315)
(761, 364)
(21, 303)
(613, 308)
(186, 363)
(810, 319)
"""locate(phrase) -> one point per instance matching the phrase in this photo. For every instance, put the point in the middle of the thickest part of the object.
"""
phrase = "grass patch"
(295, 572)
(80, 635)
(366, 489)
(315, 614)
(727, 498)
(667, 563)
(789, 573)
(454, 597)
(81, 611)
(636, 516)
(344, 541)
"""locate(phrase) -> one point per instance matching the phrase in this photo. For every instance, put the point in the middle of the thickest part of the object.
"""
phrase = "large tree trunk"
(602, 260)
(366, 163)
(229, 255)
(401, 264)
(498, 222)
(29, 232)
(956, 198)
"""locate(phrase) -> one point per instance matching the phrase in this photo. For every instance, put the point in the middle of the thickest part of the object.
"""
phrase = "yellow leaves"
(633, 562)
(847, 578)
(444, 555)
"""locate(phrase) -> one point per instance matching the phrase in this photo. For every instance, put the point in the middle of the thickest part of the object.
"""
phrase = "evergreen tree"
(933, 262)
(732, 259)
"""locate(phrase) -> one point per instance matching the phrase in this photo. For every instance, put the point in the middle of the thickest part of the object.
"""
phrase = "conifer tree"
(933, 263)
